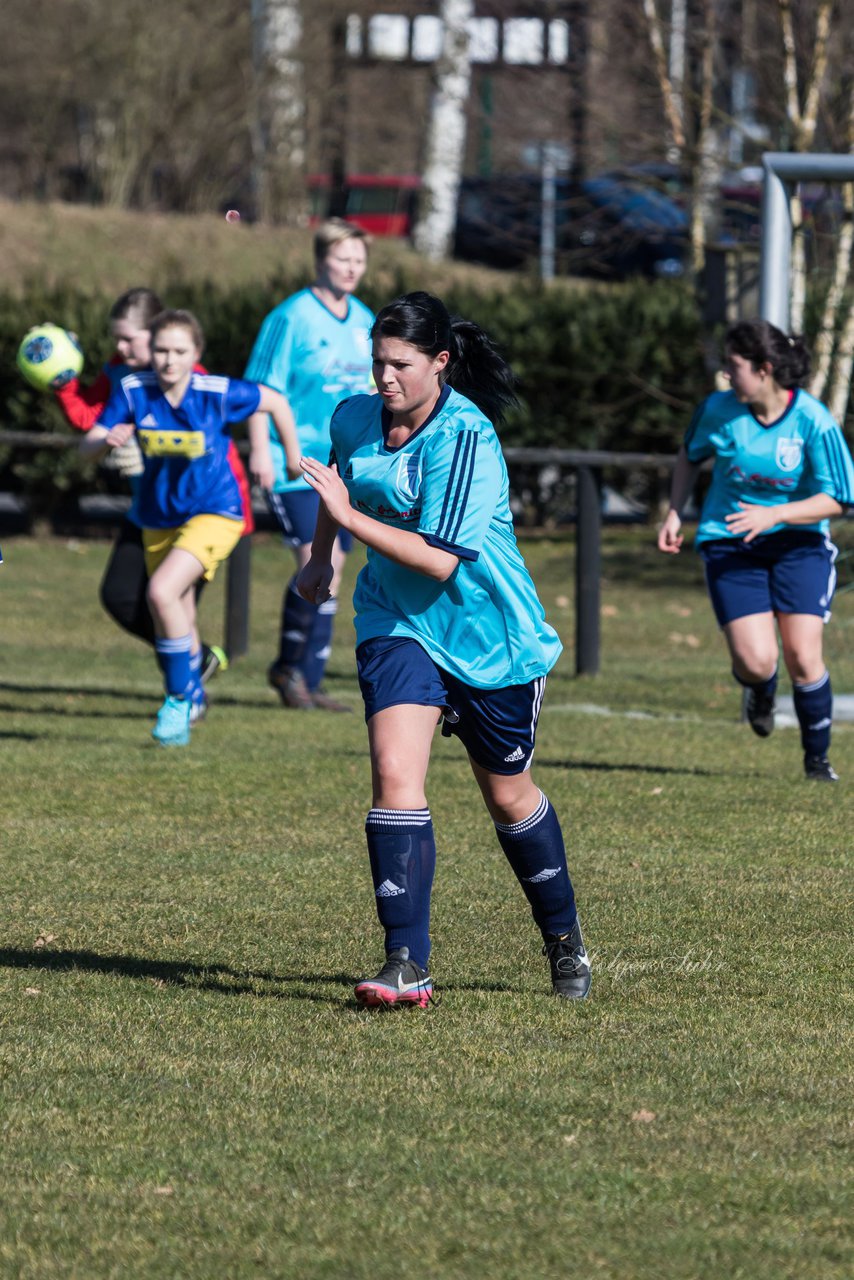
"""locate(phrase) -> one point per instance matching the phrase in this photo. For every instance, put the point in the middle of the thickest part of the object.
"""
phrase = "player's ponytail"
(475, 368)
(761, 342)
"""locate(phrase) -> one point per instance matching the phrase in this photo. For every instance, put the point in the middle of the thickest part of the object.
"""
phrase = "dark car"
(609, 227)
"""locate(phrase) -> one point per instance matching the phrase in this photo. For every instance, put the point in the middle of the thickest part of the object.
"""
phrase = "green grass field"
(189, 1090)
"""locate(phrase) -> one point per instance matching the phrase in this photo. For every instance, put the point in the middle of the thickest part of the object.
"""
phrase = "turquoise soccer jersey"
(448, 482)
(315, 360)
(185, 448)
(801, 454)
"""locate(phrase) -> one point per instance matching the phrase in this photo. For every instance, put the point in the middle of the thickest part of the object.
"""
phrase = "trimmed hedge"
(618, 368)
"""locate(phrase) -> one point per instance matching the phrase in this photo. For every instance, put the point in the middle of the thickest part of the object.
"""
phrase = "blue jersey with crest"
(800, 455)
(316, 360)
(184, 448)
(448, 482)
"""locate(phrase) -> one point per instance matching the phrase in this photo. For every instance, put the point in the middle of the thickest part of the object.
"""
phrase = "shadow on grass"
(175, 973)
(130, 695)
(217, 978)
(602, 766)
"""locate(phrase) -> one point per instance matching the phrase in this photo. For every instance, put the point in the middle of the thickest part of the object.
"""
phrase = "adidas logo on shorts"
(518, 754)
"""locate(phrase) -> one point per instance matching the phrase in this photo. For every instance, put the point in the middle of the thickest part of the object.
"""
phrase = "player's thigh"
(752, 642)
(175, 576)
(400, 739)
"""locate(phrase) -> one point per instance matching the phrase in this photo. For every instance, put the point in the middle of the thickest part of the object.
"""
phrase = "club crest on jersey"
(408, 475)
(789, 453)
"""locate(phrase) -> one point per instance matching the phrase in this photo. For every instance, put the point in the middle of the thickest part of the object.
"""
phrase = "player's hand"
(314, 580)
(669, 538)
(750, 520)
(119, 435)
(293, 469)
(330, 488)
(261, 467)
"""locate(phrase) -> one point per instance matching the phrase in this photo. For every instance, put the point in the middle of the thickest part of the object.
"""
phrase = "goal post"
(781, 170)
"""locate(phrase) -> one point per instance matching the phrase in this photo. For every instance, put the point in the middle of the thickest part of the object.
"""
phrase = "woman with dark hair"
(448, 626)
(781, 469)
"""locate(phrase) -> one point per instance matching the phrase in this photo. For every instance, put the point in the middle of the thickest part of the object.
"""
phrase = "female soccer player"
(314, 348)
(781, 469)
(190, 506)
(449, 627)
(125, 581)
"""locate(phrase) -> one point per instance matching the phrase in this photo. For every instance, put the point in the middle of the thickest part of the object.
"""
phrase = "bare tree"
(279, 109)
(446, 134)
(700, 144)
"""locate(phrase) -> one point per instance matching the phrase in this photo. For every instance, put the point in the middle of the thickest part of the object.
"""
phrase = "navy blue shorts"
(295, 512)
(497, 727)
(788, 572)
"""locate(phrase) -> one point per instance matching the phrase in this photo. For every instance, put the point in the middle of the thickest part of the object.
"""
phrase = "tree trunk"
(446, 137)
(278, 136)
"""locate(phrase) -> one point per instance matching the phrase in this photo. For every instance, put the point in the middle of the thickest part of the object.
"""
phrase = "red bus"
(383, 205)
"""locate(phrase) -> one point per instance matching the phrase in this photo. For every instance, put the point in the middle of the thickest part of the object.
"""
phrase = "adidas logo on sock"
(389, 890)
(547, 873)
(518, 754)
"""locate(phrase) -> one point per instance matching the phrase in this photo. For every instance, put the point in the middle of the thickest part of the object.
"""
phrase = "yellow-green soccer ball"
(49, 357)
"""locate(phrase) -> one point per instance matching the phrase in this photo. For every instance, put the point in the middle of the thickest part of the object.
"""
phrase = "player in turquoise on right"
(782, 468)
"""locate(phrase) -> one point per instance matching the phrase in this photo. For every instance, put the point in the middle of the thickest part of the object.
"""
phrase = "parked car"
(381, 204)
(608, 226)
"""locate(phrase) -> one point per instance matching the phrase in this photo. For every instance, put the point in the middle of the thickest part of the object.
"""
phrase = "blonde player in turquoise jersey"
(315, 349)
(448, 627)
(781, 469)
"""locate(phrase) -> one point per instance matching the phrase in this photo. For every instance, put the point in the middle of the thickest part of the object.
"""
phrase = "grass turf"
(189, 1090)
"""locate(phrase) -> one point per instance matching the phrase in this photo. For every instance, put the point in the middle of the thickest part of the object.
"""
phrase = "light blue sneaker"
(173, 723)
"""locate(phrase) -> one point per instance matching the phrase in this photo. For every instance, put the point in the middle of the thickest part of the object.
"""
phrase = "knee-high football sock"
(319, 644)
(297, 623)
(173, 657)
(402, 849)
(814, 709)
(535, 851)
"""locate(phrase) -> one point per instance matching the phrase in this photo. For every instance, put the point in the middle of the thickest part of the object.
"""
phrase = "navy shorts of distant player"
(781, 470)
(448, 627)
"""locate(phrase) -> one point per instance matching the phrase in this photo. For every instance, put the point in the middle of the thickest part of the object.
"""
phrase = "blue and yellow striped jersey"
(185, 449)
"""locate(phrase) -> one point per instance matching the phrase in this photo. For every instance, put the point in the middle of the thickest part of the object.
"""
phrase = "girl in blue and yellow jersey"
(189, 504)
(315, 348)
(781, 469)
(125, 581)
(448, 626)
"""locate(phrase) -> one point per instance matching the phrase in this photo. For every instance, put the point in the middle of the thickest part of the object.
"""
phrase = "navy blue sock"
(297, 623)
(402, 849)
(814, 709)
(319, 644)
(173, 657)
(762, 687)
(535, 851)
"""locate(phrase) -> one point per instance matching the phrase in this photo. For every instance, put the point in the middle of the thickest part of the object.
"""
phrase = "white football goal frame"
(782, 170)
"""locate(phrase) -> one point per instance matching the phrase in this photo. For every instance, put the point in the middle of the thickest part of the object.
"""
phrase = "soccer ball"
(49, 357)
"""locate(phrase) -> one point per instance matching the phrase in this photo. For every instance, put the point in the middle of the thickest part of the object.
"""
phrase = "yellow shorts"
(211, 539)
